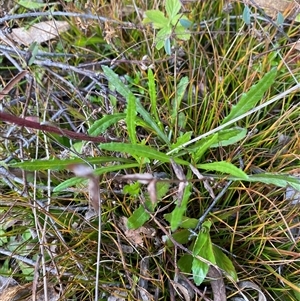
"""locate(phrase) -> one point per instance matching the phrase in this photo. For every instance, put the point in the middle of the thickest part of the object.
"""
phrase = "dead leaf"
(185, 293)
(81, 170)
(217, 284)
(39, 33)
(19, 292)
(152, 191)
(180, 176)
(143, 178)
(136, 236)
(205, 181)
(244, 285)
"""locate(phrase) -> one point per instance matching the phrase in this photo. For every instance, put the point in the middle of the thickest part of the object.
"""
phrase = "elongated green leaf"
(141, 151)
(225, 264)
(230, 136)
(203, 146)
(105, 169)
(180, 210)
(131, 118)
(224, 167)
(172, 8)
(152, 94)
(101, 125)
(249, 100)
(279, 180)
(69, 183)
(115, 81)
(157, 18)
(181, 89)
(58, 164)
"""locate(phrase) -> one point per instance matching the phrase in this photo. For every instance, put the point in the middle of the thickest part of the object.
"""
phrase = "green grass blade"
(249, 100)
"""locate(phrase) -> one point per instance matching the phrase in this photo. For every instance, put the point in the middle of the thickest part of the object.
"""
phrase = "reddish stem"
(48, 128)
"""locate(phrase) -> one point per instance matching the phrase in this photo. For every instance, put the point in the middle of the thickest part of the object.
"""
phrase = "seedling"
(174, 24)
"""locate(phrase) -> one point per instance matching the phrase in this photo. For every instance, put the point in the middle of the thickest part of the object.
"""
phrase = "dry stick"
(10, 85)
(66, 14)
(49, 128)
(212, 205)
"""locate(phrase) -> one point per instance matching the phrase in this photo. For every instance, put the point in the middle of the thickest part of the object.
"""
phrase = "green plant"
(171, 27)
(144, 154)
